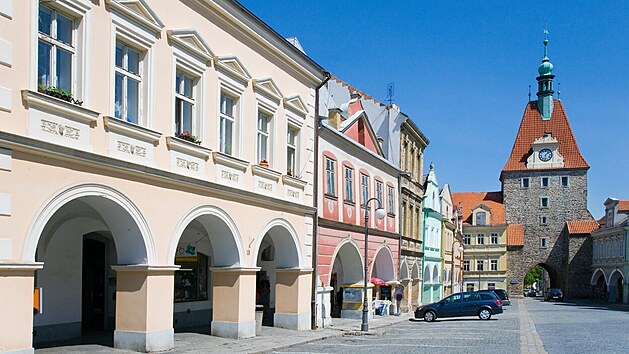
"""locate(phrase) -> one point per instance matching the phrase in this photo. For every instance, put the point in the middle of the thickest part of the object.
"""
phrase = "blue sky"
(462, 68)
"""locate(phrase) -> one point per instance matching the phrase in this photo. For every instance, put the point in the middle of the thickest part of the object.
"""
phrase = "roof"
(352, 89)
(470, 200)
(623, 205)
(581, 226)
(533, 127)
(515, 235)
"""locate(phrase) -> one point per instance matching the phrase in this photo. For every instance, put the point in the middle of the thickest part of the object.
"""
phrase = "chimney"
(354, 95)
(335, 117)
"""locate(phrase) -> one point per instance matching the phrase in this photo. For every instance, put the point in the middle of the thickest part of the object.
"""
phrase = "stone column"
(405, 306)
(234, 302)
(416, 292)
(144, 307)
(292, 298)
(16, 306)
(324, 306)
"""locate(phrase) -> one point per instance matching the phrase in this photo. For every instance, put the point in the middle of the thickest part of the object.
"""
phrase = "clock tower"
(544, 186)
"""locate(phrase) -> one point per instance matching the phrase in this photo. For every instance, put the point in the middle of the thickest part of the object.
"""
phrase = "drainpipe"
(315, 196)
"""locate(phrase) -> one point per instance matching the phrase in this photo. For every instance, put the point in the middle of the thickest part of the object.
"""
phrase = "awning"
(378, 281)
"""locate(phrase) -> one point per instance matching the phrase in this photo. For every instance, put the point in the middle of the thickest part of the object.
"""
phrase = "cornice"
(357, 228)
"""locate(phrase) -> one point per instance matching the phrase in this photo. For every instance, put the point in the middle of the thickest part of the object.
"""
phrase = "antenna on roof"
(390, 92)
(558, 89)
(529, 93)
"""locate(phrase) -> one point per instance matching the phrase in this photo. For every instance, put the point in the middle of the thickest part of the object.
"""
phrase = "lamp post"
(460, 249)
(380, 213)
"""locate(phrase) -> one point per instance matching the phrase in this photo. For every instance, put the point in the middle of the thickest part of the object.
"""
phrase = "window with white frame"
(364, 188)
(380, 193)
(480, 239)
(543, 202)
(128, 81)
(543, 242)
(493, 238)
(330, 176)
(467, 239)
(227, 123)
(493, 264)
(391, 199)
(565, 181)
(491, 286)
(480, 265)
(524, 182)
(466, 265)
(544, 182)
(292, 151)
(349, 183)
(481, 218)
(56, 50)
(543, 220)
(469, 287)
(264, 137)
(185, 108)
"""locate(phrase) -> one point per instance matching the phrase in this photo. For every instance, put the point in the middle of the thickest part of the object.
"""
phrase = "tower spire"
(545, 83)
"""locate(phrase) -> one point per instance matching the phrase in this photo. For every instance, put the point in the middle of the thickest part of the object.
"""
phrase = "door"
(450, 306)
(471, 302)
(93, 295)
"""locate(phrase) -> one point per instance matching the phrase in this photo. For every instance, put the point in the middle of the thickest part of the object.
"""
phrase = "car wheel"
(430, 316)
(484, 314)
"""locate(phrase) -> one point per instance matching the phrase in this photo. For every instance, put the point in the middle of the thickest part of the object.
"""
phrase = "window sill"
(349, 203)
(294, 181)
(266, 172)
(129, 129)
(230, 161)
(38, 99)
(187, 147)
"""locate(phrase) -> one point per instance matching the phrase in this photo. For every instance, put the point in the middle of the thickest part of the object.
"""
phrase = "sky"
(461, 71)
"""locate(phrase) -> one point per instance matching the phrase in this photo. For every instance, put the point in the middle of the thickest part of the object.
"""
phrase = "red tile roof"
(533, 127)
(515, 235)
(352, 88)
(623, 205)
(470, 200)
(581, 226)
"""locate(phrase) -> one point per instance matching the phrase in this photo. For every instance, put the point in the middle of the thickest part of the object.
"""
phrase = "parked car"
(483, 304)
(530, 293)
(503, 295)
(553, 294)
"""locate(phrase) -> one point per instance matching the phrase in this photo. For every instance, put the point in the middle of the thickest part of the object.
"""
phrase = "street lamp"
(380, 213)
(460, 249)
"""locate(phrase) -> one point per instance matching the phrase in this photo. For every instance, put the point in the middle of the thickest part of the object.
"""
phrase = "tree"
(533, 275)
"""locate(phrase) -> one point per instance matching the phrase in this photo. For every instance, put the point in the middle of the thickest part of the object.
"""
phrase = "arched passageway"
(347, 273)
(542, 277)
(615, 286)
(384, 270)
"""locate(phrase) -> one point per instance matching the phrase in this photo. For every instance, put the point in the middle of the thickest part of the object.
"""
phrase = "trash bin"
(259, 315)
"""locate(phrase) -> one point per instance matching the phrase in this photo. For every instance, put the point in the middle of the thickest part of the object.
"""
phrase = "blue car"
(483, 304)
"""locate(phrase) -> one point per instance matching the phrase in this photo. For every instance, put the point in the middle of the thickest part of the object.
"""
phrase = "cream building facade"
(156, 166)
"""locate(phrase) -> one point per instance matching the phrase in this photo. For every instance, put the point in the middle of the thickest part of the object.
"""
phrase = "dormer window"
(481, 218)
(609, 219)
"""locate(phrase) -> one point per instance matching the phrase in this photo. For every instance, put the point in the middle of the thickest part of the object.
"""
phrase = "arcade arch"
(347, 270)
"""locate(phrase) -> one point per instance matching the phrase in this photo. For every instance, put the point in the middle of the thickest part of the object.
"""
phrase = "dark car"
(553, 294)
(503, 295)
(483, 304)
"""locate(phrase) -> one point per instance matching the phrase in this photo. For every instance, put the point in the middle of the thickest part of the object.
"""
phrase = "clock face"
(545, 155)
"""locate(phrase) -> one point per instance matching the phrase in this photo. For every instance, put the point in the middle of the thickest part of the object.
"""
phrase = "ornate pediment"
(232, 66)
(268, 87)
(295, 103)
(191, 41)
(139, 11)
(545, 153)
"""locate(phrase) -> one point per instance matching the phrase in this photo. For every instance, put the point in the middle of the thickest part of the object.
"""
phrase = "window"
(481, 218)
(493, 239)
(264, 137)
(330, 176)
(469, 287)
(543, 242)
(467, 239)
(453, 298)
(466, 265)
(480, 265)
(490, 286)
(227, 124)
(543, 202)
(480, 239)
(565, 181)
(128, 81)
(610, 217)
(471, 297)
(493, 264)
(524, 182)
(379, 193)
(349, 184)
(391, 199)
(184, 104)
(364, 188)
(191, 280)
(543, 220)
(544, 182)
(291, 151)
(55, 50)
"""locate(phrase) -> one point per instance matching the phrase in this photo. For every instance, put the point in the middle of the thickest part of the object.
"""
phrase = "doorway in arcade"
(347, 280)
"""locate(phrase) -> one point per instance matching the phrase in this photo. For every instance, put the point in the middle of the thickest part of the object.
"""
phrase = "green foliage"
(533, 275)
(58, 93)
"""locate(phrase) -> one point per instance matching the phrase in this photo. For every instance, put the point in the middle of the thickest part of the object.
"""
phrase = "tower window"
(543, 220)
(543, 242)
(544, 182)
(565, 181)
(543, 202)
(524, 182)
